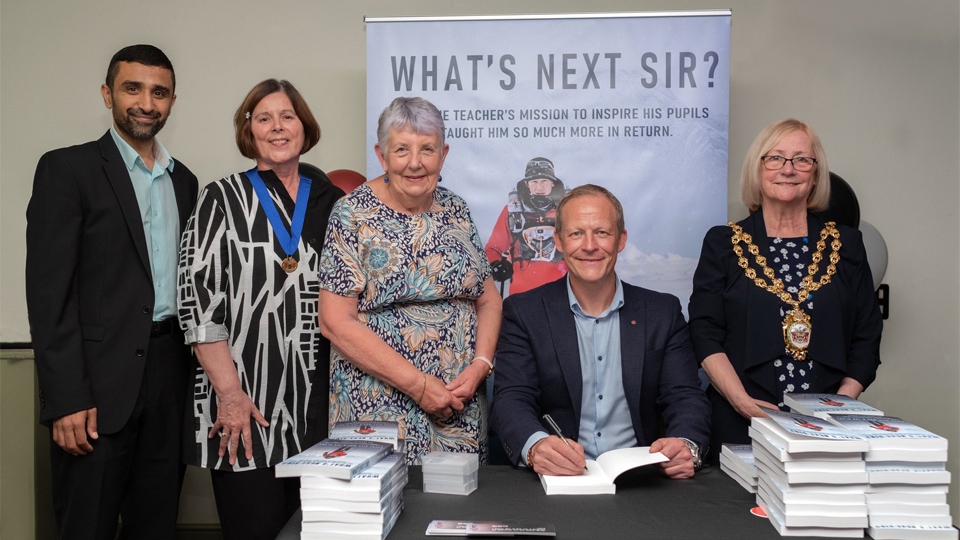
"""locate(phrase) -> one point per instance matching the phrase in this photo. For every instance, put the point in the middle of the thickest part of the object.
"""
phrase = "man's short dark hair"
(147, 55)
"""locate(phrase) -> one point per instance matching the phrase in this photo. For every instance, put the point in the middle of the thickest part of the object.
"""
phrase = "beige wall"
(877, 78)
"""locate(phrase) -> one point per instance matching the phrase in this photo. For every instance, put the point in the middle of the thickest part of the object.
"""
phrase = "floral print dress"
(416, 279)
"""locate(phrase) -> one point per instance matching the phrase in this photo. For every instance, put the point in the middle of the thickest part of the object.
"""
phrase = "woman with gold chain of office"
(753, 323)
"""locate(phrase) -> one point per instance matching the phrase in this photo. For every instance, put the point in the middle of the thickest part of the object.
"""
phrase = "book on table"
(376, 523)
(351, 531)
(833, 516)
(814, 493)
(443, 527)
(331, 503)
(824, 405)
(334, 458)
(777, 519)
(905, 532)
(893, 439)
(600, 474)
(777, 450)
(385, 431)
(798, 433)
(368, 485)
(737, 461)
(943, 520)
(900, 497)
(819, 472)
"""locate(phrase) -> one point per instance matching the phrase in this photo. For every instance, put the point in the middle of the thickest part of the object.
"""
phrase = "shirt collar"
(130, 156)
(615, 304)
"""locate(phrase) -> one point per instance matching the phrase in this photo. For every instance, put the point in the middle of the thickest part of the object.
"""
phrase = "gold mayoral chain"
(796, 324)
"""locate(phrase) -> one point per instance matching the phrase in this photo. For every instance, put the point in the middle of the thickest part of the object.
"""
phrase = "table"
(646, 505)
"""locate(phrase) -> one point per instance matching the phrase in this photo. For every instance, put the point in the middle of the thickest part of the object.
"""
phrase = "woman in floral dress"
(406, 295)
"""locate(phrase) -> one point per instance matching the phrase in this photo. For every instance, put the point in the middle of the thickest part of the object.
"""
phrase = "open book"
(600, 474)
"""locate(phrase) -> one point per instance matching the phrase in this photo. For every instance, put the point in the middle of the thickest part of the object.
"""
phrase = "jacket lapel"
(185, 198)
(632, 347)
(563, 330)
(119, 179)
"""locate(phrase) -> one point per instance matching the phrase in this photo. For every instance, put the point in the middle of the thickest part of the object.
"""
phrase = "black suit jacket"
(88, 280)
(538, 368)
(729, 313)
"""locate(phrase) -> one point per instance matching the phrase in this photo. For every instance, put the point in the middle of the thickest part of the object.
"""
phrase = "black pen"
(558, 433)
(556, 430)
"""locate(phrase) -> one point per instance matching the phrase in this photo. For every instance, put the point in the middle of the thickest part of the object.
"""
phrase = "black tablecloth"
(646, 505)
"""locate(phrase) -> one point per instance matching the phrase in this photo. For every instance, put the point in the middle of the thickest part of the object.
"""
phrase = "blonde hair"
(750, 192)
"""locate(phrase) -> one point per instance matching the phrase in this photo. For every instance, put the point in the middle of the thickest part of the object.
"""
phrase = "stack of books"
(450, 472)
(812, 478)
(826, 405)
(906, 464)
(351, 486)
(737, 461)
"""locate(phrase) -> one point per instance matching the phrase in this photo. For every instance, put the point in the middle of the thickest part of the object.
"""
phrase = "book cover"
(892, 438)
(379, 431)
(488, 528)
(369, 484)
(739, 457)
(333, 458)
(802, 433)
(600, 474)
(777, 450)
(824, 405)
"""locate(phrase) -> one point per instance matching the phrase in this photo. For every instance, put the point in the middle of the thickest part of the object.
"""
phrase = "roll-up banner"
(536, 105)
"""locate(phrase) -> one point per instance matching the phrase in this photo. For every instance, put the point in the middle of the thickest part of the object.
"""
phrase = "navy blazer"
(731, 314)
(538, 368)
(89, 288)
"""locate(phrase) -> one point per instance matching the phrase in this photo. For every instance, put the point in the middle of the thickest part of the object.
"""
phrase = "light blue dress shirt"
(160, 217)
(605, 422)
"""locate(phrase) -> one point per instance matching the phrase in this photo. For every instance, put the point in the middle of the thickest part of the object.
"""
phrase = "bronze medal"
(289, 264)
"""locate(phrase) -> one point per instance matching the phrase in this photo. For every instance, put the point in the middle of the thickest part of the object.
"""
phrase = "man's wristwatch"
(695, 452)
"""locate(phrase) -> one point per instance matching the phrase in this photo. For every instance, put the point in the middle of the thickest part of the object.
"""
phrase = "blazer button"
(146, 309)
(140, 352)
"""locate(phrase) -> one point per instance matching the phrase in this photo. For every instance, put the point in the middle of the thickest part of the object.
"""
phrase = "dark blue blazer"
(538, 368)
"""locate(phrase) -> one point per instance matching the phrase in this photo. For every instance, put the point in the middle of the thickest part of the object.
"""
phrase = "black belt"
(166, 326)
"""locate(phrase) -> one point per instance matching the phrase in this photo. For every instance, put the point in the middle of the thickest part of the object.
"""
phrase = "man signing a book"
(611, 363)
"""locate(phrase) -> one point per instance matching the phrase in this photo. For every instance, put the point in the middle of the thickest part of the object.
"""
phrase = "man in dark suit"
(103, 234)
(611, 363)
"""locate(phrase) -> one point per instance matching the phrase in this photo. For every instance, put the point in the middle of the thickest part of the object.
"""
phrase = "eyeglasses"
(800, 163)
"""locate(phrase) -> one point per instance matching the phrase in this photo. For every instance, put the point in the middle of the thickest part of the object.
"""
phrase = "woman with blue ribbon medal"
(288, 240)
(248, 296)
